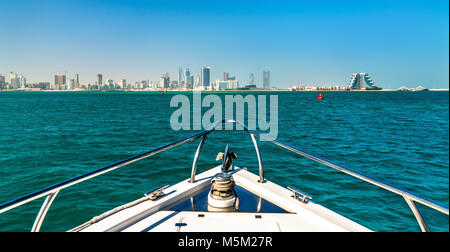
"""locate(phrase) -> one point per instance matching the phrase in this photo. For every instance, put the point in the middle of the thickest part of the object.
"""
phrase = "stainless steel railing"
(52, 191)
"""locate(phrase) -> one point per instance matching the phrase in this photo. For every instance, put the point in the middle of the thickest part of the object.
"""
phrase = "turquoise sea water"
(399, 137)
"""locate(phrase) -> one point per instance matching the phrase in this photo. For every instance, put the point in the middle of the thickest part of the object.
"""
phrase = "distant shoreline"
(217, 91)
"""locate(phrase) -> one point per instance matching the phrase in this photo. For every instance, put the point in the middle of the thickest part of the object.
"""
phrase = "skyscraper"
(205, 77)
(13, 80)
(164, 81)
(72, 84)
(60, 80)
(17, 81)
(266, 79)
(22, 81)
(99, 81)
(180, 77)
(123, 83)
(2, 82)
(188, 79)
(197, 81)
(77, 81)
(225, 76)
(251, 79)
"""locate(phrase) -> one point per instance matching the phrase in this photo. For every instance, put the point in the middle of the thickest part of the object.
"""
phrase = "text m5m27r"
(239, 241)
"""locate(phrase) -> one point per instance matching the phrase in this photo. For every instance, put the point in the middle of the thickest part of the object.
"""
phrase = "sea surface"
(399, 137)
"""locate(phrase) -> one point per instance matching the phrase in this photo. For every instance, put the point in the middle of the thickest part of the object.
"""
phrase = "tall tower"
(180, 77)
(77, 80)
(187, 77)
(251, 79)
(164, 81)
(197, 81)
(14, 80)
(72, 84)
(205, 76)
(225, 76)
(2, 82)
(22, 81)
(266, 79)
(99, 81)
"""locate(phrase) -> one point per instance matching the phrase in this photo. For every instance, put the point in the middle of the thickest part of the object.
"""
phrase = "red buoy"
(320, 96)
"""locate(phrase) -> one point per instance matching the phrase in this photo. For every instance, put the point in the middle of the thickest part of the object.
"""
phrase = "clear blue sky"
(301, 42)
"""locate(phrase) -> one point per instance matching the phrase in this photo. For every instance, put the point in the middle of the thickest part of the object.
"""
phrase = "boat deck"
(179, 221)
(285, 214)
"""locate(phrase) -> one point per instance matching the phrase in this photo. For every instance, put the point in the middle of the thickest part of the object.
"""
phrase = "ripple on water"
(401, 138)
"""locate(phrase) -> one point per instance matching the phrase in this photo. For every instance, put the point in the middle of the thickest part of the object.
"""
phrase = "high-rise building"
(251, 79)
(2, 82)
(164, 81)
(123, 83)
(99, 81)
(22, 81)
(181, 81)
(72, 84)
(145, 84)
(60, 81)
(205, 76)
(225, 76)
(110, 84)
(362, 81)
(188, 79)
(17, 81)
(167, 76)
(77, 81)
(197, 81)
(266, 79)
(13, 80)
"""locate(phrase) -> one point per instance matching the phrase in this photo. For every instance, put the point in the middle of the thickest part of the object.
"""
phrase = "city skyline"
(299, 42)
(185, 81)
(358, 81)
(184, 73)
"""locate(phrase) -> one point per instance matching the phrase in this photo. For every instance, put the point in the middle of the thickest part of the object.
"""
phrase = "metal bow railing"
(53, 190)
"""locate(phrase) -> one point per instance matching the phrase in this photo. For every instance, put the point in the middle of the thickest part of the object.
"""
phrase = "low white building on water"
(228, 84)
